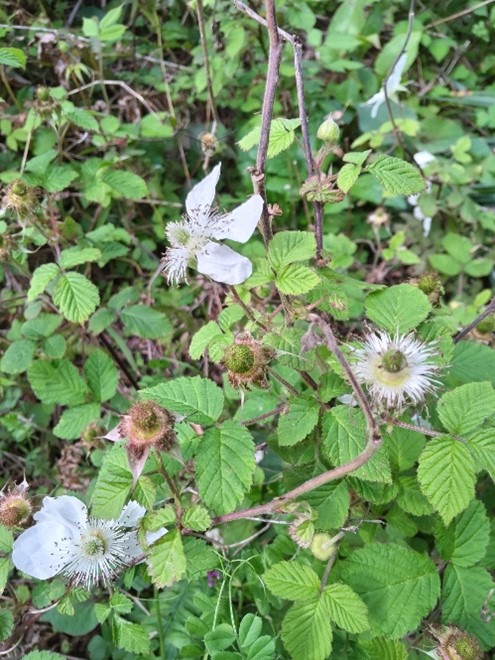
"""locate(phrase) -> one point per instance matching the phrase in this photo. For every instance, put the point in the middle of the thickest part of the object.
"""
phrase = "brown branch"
(254, 420)
(465, 331)
(274, 56)
(322, 479)
(373, 429)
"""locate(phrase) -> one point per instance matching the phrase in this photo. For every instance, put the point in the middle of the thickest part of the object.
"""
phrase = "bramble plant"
(279, 449)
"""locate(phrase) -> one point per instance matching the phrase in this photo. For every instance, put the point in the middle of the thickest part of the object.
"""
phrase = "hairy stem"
(490, 309)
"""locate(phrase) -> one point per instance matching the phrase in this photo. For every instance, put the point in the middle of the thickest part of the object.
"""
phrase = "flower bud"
(487, 325)
(246, 361)
(320, 188)
(20, 198)
(430, 284)
(329, 131)
(456, 644)
(15, 507)
(148, 424)
(323, 546)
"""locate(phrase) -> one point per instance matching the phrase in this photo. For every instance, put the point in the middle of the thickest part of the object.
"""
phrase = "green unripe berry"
(394, 361)
(239, 358)
(323, 546)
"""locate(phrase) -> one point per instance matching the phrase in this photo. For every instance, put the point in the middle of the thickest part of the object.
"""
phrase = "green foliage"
(446, 475)
(392, 578)
(198, 399)
(107, 124)
(225, 466)
(398, 309)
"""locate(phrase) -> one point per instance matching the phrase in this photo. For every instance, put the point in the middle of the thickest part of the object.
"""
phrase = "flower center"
(94, 544)
(394, 361)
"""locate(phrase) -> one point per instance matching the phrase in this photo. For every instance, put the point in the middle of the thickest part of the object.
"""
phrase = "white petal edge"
(131, 514)
(393, 82)
(239, 224)
(64, 510)
(42, 551)
(203, 194)
(223, 264)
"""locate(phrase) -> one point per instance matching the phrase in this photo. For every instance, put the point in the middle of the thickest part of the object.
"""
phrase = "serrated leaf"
(100, 320)
(347, 610)
(331, 502)
(481, 446)
(411, 499)
(198, 399)
(404, 447)
(102, 375)
(399, 586)
(345, 436)
(356, 157)
(58, 383)
(465, 540)
(196, 518)
(145, 322)
(127, 184)
(225, 466)
(396, 176)
(446, 475)
(291, 580)
(166, 560)
(73, 421)
(131, 637)
(18, 356)
(298, 422)
(76, 297)
(13, 57)
(230, 315)
(473, 362)
(113, 485)
(282, 135)
(74, 256)
(465, 409)
(289, 246)
(295, 279)
(200, 557)
(347, 176)
(40, 279)
(399, 308)
(58, 178)
(6, 624)
(464, 592)
(120, 603)
(54, 347)
(384, 649)
(202, 339)
(84, 119)
(44, 655)
(250, 140)
(306, 630)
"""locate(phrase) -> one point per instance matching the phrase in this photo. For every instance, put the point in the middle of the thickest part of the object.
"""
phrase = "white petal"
(43, 550)
(393, 81)
(114, 435)
(203, 194)
(376, 101)
(240, 224)
(423, 158)
(132, 547)
(151, 537)
(223, 264)
(131, 514)
(64, 510)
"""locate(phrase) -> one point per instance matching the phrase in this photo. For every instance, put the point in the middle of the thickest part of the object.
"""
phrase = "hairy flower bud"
(456, 644)
(302, 532)
(15, 507)
(20, 197)
(148, 425)
(320, 188)
(328, 131)
(246, 361)
(430, 284)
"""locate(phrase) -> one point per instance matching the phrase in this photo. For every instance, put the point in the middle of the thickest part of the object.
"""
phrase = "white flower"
(396, 370)
(392, 86)
(422, 158)
(65, 541)
(190, 238)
